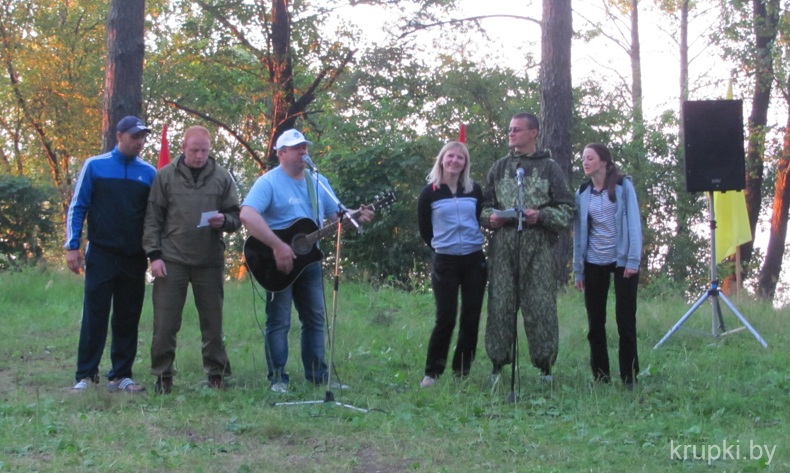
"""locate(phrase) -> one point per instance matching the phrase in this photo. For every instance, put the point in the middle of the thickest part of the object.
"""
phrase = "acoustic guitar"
(303, 236)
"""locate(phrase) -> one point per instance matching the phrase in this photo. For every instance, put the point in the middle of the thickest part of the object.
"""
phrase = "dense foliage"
(26, 224)
(378, 109)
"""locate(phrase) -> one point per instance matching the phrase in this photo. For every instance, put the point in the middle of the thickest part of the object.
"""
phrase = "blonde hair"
(196, 130)
(436, 174)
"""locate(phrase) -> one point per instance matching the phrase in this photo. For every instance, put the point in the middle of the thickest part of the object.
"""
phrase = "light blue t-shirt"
(282, 200)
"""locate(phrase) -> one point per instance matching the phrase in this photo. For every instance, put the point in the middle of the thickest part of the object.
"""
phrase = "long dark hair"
(613, 173)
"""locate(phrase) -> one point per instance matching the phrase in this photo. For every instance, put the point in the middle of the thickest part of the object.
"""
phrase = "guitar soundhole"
(300, 245)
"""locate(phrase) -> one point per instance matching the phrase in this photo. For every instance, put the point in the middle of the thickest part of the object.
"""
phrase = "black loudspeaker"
(714, 145)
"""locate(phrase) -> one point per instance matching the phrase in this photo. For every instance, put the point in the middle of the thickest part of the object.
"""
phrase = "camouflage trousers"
(536, 289)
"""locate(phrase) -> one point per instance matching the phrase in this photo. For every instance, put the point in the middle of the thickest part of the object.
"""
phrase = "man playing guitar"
(279, 198)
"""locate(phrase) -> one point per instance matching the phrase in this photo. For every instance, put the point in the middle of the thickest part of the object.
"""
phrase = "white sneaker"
(494, 380)
(427, 382)
(82, 385)
(281, 388)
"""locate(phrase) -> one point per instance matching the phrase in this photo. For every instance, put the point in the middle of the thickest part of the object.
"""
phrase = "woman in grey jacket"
(448, 210)
(607, 239)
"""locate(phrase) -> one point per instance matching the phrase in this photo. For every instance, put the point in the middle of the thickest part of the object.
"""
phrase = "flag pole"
(738, 280)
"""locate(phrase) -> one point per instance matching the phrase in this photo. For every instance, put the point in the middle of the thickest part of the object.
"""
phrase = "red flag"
(164, 150)
(462, 134)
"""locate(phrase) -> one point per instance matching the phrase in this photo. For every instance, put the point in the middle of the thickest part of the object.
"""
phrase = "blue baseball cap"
(131, 125)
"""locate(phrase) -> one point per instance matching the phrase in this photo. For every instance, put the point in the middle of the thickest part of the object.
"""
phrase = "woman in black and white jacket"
(448, 209)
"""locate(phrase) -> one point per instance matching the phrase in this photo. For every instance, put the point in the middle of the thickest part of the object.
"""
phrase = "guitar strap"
(311, 192)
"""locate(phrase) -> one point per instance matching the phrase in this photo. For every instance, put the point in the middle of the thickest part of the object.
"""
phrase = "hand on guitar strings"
(284, 257)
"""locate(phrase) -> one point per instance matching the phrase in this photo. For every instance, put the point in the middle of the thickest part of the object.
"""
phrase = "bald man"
(184, 250)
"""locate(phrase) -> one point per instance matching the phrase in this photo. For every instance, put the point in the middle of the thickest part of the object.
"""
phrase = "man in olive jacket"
(184, 242)
(529, 282)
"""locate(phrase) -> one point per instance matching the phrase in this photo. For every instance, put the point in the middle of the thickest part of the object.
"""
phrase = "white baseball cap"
(291, 137)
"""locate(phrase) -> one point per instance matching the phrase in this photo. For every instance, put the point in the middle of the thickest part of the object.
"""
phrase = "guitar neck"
(328, 230)
(332, 227)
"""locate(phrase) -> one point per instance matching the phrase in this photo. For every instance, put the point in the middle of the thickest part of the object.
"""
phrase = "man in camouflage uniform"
(548, 205)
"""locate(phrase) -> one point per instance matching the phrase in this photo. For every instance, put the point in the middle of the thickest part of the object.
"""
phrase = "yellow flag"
(732, 222)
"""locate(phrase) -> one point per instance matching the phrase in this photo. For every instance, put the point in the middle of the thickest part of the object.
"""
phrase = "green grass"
(695, 391)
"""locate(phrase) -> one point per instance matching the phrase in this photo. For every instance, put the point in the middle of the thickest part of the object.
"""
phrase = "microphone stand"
(341, 209)
(516, 280)
(329, 396)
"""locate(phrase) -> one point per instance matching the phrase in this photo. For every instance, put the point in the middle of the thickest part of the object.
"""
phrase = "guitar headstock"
(382, 202)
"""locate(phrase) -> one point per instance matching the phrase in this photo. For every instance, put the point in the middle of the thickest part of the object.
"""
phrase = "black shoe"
(164, 385)
(215, 381)
(603, 378)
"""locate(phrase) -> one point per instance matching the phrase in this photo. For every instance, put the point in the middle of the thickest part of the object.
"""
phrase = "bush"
(26, 224)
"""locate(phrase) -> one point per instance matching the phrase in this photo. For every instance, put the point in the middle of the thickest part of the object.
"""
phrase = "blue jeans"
(307, 295)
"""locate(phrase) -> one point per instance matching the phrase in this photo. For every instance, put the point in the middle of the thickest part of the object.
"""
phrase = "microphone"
(520, 175)
(310, 163)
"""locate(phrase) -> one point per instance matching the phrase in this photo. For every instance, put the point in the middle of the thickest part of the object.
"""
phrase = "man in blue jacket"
(112, 191)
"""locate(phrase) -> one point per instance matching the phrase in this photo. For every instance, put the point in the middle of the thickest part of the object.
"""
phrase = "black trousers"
(469, 273)
(113, 283)
(596, 290)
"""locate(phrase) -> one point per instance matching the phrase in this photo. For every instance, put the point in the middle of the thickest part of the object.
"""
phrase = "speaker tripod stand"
(714, 294)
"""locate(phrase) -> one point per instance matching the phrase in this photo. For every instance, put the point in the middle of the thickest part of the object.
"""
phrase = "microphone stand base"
(327, 401)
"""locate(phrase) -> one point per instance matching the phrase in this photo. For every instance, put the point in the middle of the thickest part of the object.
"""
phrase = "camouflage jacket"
(545, 189)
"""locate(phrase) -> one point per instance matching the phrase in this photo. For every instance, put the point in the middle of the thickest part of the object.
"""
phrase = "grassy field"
(704, 404)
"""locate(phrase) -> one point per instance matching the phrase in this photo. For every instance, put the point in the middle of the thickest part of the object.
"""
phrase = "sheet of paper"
(205, 216)
(509, 213)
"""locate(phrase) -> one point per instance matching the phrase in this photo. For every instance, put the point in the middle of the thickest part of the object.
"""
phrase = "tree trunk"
(636, 77)
(556, 101)
(772, 266)
(283, 115)
(684, 62)
(679, 271)
(765, 33)
(123, 79)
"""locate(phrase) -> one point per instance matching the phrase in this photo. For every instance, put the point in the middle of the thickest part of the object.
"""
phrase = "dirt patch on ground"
(6, 384)
(371, 460)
